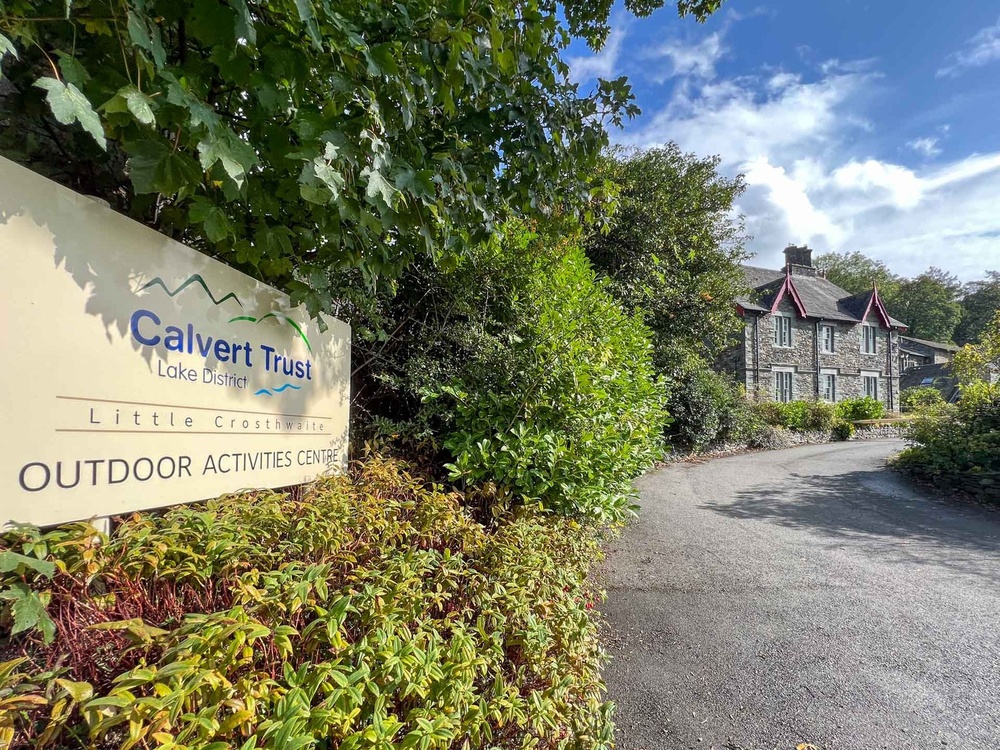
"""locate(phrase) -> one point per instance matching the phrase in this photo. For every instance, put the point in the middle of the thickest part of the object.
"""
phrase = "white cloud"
(688, 59)
(926, 146)
(796, 141)
(981, 49)
(603, 64)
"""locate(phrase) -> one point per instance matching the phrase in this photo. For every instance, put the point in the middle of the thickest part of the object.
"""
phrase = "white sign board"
(139, 373)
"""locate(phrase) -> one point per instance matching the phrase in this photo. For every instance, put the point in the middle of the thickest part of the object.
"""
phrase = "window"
(868, 339)
(826, 337)
(828, 386)
(927, 381)
(869, 384)
(783, 386)
(782, 330)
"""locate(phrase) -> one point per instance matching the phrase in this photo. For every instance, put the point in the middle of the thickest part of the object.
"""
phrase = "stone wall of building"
(807, 361)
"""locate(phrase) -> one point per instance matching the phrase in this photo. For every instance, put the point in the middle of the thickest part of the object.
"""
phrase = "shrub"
(519, 369)
(814, 416)
(373, 613)
(860, 407)
(580, 413)
(707, 407)
(921, 398)
(842, 430)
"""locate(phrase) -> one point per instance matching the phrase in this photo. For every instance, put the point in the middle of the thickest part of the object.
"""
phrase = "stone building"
(806, 338)
(917, 352)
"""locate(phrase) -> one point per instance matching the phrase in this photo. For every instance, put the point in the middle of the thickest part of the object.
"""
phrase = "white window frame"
(823, 330)
(786, 385)
(782, 325)
(869, 332)
(867, 375)
(828, 378)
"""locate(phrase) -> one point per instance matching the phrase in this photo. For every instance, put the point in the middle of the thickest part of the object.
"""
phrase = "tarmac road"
(803, 596)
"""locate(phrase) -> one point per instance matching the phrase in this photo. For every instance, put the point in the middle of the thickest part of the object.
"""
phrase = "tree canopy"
(319, 146)
(980, 303)
(928, 303)
(674, 247)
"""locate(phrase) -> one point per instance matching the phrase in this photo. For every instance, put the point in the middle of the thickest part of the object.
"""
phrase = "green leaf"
(72, 69)
(212, 218)
(68, 105)
(144, 158)
(379, 187)
(6, 48)
(244, 21)
(237, 156)
(139, 105)
(10, 561)
(28, 611)
(138, 32)
(174, 172)
(78, 691)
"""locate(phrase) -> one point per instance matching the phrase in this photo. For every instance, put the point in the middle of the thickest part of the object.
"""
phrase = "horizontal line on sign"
(195, 408)
(285, 433)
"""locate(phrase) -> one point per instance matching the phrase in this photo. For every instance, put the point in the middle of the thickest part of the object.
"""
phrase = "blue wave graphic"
(279, 389)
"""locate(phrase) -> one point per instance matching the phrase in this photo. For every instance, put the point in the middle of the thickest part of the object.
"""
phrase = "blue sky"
(871, 126)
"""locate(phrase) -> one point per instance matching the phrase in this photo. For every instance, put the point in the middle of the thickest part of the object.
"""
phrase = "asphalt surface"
(803, 596)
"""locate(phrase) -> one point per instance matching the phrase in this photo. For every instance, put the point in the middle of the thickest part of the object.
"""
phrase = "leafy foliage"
(803, 416)
(959, 449)
(673, 249)
(980, 303)
(372, 613)
(579, 411)
(929, 305)
(856, 272)
(859, 408)
(981, 361)
(707, 408)
(319, 146)
(921, 398)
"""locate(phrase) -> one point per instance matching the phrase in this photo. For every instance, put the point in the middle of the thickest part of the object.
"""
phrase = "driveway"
(803, 596)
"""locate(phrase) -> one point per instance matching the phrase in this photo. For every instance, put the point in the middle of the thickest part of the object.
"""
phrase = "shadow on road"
(877, 509)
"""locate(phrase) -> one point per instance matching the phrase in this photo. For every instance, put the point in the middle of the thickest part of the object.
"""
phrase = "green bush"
(921, 398)
(372, 613)
(860, 407)
(707, 408)
(579, 413)
(802, 416)
(842, 430)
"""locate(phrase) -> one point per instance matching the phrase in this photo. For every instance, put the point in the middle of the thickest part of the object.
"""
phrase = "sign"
(139, 373)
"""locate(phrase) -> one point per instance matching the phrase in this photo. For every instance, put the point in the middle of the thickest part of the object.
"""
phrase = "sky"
(870, 126)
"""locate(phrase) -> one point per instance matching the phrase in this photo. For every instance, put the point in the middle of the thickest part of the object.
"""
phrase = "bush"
(860, 407)
(519, 369)
(707, 408)
(580, 413)
(921, 398)
(960, 448)
(842, 430)
(802, 416)
(373, 613)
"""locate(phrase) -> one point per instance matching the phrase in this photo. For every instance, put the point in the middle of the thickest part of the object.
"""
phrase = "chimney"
(798, 260)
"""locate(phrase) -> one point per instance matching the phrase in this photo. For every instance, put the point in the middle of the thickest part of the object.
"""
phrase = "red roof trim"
(788, 286)
(876, 301)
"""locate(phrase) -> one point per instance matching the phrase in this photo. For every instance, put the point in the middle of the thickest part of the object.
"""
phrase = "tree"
(980, 361)
(981, 301)
(928, 304)
(673, 248)
(856, 273)
(319, 146)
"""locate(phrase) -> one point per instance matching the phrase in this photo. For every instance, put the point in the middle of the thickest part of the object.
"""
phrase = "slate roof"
(936, 376)
(933, 344)
(820, 297)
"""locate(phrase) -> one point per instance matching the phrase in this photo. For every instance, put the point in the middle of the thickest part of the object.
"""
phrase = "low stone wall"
(879, 431)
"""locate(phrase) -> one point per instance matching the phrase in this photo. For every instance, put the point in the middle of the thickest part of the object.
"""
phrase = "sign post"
(139, 373)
